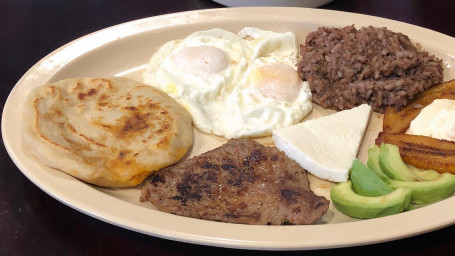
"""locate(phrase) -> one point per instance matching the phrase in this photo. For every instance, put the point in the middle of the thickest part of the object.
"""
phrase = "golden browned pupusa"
(109, 132)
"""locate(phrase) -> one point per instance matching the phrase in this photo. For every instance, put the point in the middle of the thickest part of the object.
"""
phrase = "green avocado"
(393, 166)
(373, 162)
(424, 174)
(424, 192)
(348, 202)
(366, 182)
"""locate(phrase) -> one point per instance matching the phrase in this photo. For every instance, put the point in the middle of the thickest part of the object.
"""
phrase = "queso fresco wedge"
(307, 142)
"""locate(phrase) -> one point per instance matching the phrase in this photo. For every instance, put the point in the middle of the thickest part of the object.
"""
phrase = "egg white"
(239, 100)
(163, 73)
(279, 46)
(246, 112)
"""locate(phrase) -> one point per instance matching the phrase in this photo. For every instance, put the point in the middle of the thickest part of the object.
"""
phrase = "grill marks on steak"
(239, 182)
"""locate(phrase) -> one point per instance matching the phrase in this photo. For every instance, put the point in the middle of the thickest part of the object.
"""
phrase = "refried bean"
(347, 67)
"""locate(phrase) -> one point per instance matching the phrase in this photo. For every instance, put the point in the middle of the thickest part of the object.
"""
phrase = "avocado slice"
(363, 207)
(366, 182)
(424, 192)
(393, 166)
(424, 174)
(373, 162)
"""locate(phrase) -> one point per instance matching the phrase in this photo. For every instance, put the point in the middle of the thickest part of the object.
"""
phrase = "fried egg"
(200, 66)
(234, 86)
(270, 96)
(279, 46)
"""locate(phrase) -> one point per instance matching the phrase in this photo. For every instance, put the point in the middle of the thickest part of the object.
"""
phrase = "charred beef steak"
(239, 182)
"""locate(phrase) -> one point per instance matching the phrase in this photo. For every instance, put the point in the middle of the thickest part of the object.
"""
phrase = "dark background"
(33, 223)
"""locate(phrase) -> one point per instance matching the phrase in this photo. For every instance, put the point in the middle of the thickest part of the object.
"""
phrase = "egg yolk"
(200, 60)
(278, 81)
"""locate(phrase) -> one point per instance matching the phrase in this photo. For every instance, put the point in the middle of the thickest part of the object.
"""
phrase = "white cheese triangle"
(326, 146)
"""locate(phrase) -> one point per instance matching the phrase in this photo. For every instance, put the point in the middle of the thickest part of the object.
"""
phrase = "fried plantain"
(398, 121)
(420, 151)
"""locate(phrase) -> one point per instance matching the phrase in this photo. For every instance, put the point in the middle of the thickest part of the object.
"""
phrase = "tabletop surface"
(33, 223)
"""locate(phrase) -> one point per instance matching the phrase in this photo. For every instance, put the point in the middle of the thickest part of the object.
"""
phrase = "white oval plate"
(124, 49)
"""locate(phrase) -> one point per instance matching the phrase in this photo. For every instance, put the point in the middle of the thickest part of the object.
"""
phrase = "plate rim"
(57, 59)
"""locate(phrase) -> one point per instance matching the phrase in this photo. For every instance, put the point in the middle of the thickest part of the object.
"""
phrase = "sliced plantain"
(423, 152)
(373, 164)
(398, 121)
(420, 151)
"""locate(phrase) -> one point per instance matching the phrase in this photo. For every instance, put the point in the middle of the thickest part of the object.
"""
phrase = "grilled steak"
(239, 182)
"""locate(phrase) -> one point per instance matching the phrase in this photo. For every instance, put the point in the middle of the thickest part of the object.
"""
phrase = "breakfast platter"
(125, 50)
